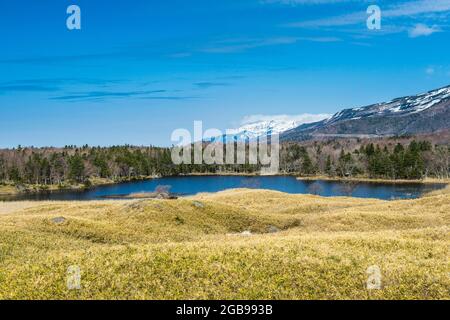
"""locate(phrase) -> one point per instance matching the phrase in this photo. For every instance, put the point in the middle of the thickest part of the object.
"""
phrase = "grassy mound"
(238, 244)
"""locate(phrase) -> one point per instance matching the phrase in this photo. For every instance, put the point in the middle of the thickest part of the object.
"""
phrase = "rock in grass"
(273, 229)
(246, 233)
(58, 220)
(158, 206)
(137, 205)
(198, 204)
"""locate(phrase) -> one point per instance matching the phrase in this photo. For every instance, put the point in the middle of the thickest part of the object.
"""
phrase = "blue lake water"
(190, 185)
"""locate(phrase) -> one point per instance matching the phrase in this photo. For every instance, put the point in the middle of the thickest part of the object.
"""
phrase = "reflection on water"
(191, 185)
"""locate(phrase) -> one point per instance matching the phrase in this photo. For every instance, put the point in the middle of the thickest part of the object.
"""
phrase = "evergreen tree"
(76, 168)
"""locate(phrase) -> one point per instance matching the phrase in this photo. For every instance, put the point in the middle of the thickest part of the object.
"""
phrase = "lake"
(191, 185)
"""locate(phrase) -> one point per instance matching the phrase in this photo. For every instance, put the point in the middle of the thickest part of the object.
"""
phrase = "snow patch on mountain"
(264, 125)
(399, 106)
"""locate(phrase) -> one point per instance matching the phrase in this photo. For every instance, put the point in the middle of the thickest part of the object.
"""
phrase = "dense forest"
(415, 160)
(335, 158)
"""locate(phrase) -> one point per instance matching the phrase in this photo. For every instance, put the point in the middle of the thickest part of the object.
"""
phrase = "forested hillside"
(387, 160)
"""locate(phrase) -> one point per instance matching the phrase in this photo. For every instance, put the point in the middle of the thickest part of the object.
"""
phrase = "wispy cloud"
(206, 85)
(173, 98)
(64, 58)
(306, 2)
(320, 39)
(437, 70)
(144, 53)
(64, 81)
(106, 94)
(299, 118)
(59, 89)
(241, 45)
(405, 9)
(419, 7)
(179, 55)
(49, 84)
(10, 88)
(343, 20)
(430, 71)
(420, 30)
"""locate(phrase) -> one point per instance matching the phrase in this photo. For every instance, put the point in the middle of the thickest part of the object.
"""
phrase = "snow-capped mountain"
(424, 113)
(400, 106)
(263, 128)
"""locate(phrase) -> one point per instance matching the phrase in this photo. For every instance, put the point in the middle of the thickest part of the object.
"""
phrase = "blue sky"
(139, 69)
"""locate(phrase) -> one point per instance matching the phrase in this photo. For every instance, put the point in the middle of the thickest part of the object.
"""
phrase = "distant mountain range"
(420, 114)
(257, 129)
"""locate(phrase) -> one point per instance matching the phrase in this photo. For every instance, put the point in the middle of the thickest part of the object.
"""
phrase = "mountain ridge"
(423, 113)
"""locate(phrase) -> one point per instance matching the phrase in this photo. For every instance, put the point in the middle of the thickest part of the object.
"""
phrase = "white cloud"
(321, 39)
(307, 2)
(418, 7)
(430, 71)
(421, 29)
(407, 9)
(241, 45)
(299, 118)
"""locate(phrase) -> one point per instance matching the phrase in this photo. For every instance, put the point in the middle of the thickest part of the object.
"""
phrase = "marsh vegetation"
(238, 244)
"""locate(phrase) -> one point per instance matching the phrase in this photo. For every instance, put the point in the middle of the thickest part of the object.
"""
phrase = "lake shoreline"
(374, 180)
(11, 190)
(188, 185)
(326, 178)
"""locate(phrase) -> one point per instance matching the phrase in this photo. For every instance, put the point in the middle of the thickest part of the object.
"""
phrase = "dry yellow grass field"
(7, 189)
(237, 244)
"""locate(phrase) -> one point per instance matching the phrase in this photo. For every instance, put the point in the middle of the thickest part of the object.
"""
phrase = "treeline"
(415, 160)
(77, 165)
(53, 166)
